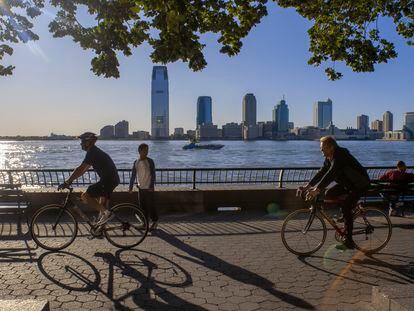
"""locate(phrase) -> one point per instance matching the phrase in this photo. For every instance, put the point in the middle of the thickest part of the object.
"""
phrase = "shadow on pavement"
(74, 273)
(405, 273)
(235, 272)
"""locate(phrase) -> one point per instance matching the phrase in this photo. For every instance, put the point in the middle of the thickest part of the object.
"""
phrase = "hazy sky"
(53, 89)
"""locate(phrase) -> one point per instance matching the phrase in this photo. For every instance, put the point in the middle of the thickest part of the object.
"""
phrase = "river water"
(169, 154)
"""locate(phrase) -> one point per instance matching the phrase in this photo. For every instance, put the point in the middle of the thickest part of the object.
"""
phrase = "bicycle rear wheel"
(128, 227)
(303, 233)
(53, 227)
(372, 230)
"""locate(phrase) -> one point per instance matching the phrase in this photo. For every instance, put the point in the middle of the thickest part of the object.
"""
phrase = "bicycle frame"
(71, 205)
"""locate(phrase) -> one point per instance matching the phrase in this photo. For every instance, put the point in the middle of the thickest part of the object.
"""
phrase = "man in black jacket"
(350, 176)
(143, 170)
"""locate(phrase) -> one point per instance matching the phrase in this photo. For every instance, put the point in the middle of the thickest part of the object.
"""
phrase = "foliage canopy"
(342, 30)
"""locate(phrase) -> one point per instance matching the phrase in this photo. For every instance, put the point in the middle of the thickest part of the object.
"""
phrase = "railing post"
(10, 177)
(282, 172)
(194, 179)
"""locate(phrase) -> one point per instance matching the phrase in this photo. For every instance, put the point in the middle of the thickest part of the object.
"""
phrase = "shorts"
(101, 189)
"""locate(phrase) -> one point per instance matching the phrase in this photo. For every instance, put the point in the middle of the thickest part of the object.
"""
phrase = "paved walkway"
(228, 261)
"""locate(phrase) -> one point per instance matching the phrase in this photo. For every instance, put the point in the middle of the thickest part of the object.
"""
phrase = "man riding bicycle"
(350, 176)
(97, 195)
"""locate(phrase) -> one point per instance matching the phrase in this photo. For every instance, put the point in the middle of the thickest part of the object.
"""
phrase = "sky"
(53, 90)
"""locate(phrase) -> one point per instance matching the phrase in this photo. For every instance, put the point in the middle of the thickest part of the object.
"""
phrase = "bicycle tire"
(44, 219)
(126, 217)
(302, 217)
(379, 224)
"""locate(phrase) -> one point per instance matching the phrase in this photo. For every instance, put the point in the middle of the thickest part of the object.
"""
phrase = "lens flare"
(274, 210)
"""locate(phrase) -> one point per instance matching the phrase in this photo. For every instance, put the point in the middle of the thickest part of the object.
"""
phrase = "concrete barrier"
(194, 201)
(24, 305)
(393, 298)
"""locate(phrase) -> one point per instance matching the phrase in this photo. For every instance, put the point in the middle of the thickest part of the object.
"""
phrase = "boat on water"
(193, 145)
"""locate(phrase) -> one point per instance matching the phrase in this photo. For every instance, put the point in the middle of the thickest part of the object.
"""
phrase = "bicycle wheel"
(128, 227)
(372, 230)
(53, 228)
(303, 233)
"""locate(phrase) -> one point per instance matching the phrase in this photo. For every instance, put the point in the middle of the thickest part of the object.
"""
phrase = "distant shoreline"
(46, 138)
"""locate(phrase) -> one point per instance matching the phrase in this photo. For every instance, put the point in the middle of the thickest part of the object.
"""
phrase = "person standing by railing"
(143, 170)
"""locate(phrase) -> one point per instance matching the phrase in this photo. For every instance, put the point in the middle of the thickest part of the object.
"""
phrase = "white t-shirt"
(143, 173)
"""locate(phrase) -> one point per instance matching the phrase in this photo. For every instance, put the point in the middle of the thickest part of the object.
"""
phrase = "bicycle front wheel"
(303, 233)
(128, 227)
(372, 230)
(53, 227)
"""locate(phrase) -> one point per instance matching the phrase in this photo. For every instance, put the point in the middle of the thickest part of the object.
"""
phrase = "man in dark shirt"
(350, 176)
(97, 195)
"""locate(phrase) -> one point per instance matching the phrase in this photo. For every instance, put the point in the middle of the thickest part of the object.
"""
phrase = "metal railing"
(190, 177)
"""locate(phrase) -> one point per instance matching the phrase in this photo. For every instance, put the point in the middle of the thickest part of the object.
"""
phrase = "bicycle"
(304, 231)
(54, 227)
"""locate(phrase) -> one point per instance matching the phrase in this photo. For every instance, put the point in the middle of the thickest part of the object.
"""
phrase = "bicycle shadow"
(74, 273)
(368, 262)
(230, 270)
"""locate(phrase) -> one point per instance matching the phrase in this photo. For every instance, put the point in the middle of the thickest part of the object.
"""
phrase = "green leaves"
(344, 31)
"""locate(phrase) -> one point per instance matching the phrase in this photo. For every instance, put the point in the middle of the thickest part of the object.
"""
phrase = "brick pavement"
(230, 261)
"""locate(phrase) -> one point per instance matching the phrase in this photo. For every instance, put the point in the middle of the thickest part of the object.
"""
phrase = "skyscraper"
(322, 113)
(387, 121)
(281, 116)
(122, 129)
(409, 121)
(204, 110)
(377, 126)
(363, 123)
(159, 103)
(249, 109)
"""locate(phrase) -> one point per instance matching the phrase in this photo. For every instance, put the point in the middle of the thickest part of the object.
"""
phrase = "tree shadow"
(74, 273)
(232, 271)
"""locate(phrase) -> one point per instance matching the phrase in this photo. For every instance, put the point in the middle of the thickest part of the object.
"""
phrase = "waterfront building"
(387, 121)
(108, 131)
(307, 132)
(207, 131)
(159, 103)
(322, 113)
(204, 110)
(251, 132)
(281, 116)
(249, 110)
(179, 131)
(191, 133)
(232, 131)
(377, 126)
(363, 123)
(397, 135)
(122, 129)
(409, 122)
(267, 129)
(291, 125)
(141, 135)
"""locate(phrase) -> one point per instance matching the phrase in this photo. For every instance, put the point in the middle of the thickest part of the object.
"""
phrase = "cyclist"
(97, 195)
(350, 176)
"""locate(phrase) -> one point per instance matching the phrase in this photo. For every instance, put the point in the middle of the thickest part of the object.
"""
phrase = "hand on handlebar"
(65, 185)
(312, 193)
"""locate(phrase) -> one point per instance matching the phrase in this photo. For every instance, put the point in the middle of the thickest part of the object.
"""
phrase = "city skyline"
(51, 89)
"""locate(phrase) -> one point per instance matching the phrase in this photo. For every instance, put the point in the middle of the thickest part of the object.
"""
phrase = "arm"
(133, 176)
(318, 175)
(330, 175)
(78, 172)
(152, 168)
(385, 176)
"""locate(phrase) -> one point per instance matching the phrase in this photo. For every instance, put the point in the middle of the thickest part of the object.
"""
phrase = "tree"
(343, 30)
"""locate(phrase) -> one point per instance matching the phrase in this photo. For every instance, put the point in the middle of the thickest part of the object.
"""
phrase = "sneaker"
(392, 212)
(106, 216)
(154, 226)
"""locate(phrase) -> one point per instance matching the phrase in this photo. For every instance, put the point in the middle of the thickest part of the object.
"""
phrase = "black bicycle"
(54, 227)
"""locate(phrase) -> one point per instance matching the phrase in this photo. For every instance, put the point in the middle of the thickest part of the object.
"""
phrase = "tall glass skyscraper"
(409, 121)
(322, 113)
(249, 109)
(204, 110)
(159, 103)
(387, 121)
(281, 116)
